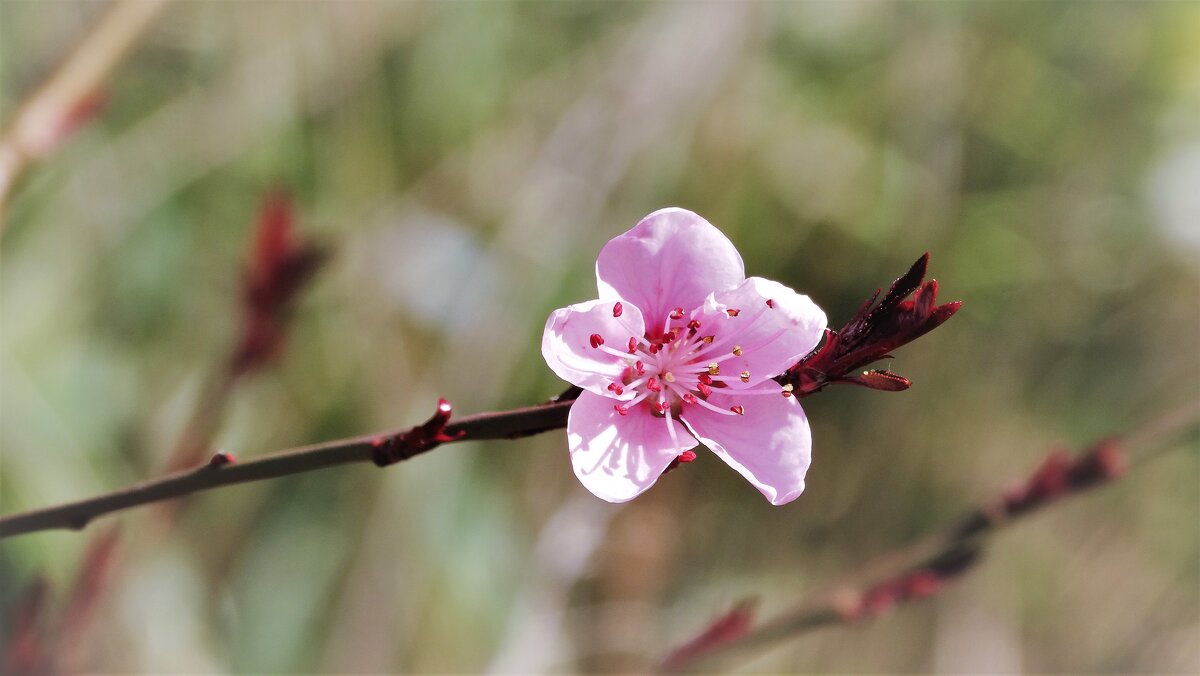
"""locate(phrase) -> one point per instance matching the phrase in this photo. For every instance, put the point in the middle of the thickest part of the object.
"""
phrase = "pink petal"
(567, 343)
(771, 445)
(672, 258)
(617, 457)
(771, 338)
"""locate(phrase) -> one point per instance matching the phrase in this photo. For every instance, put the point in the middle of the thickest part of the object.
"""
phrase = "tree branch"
(924, 568)
(73, 92)
(512, 424)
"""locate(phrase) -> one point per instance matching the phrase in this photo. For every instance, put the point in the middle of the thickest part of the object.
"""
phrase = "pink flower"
(680, 349)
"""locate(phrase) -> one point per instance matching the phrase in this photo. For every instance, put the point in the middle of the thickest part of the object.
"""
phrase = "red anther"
(621, 410)
(687, 456)
(770, 303)
(221, 458)
(786, 393)
(704, 388)
(597, 340)
(739, 409)
(654, 348)
(639, 367)
(653, 385)
(677, 313)
(662, 407)
(732, 312)
(689, 397)
(704, 378)
(618, 309)
(616, 389)
(633, 343)
(694, 325)
(670, 336)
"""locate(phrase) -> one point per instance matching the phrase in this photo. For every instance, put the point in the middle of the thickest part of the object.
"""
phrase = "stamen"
(633, 344)
(669, 377)
(677, 313)
(704, 389)
(653, 385)
(654, 348)
(745, 376)
(770, 303)
(597, 340)
(662, 407)
(616, 389)
(739, 409)
(618, 309)
(787, 390)
(737, 350)
(689, 398)
(707, 339)
(686, 457)
(714, 369)
(621, 410)
(639, 368)
(694, 325)
(705, 378)
(732, 312)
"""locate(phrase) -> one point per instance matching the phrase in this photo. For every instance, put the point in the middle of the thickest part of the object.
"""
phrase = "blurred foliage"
(465, 162)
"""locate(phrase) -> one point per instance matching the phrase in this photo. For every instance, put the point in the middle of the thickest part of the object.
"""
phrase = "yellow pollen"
(714, 369)
(737, 350)
(707, 339)
(788, 388)
(669, 377)
(745, 376)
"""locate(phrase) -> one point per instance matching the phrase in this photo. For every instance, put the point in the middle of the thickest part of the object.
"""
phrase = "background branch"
(72, 93)
(923, 568)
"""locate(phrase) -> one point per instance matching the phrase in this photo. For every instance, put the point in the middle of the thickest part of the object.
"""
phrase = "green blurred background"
(464, 162)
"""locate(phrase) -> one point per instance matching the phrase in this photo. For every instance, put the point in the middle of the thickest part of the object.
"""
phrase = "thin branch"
(71, 94)
(498, 425)
(923, 568)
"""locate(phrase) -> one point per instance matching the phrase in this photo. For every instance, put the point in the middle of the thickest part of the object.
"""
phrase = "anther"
(787, 390)
(737, 350)
(689, 398)
(694, 325)
(706, 339)
(732, 312)
(714, 369)
(597, 340)
(654, 348)
(677, 313)
(704, 389)
(639, 367)
(633, 343)
(770, 303)
(616, 389)
(739, 409)
(744, 376)
(618, 309)
(669, 377)
(653, 385)
(704, 378)
(621, 410)
(662, 407)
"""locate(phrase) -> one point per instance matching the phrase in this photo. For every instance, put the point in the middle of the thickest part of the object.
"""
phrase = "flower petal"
(617, 457)
(672, 258)
(567, 343)
(771, 337)
(771, 445)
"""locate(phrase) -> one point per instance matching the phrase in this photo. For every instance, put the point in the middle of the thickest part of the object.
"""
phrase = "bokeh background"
(463, 163)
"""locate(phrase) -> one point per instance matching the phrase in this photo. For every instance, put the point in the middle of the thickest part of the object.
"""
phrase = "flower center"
(681, 367)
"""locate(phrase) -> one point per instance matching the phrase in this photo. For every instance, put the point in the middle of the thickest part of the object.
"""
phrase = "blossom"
(681, 348)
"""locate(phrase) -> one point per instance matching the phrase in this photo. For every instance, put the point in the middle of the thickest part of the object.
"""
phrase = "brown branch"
(924, 568)
(75, 515)
(72, 93)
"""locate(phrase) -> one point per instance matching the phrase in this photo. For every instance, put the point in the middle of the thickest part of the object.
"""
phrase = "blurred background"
(463, 163)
